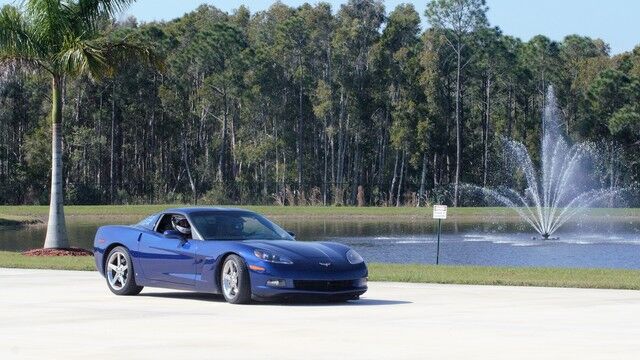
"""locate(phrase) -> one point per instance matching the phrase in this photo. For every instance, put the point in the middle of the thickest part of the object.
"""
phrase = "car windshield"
(236, 225)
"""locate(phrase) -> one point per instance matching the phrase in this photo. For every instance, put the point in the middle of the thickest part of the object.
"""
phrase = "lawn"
(16, 260)
(75, 210)
(515, 276)
(476, 275)
(90, 212)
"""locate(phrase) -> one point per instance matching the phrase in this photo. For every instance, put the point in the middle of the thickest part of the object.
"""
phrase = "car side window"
(149, 222)
(165, 224)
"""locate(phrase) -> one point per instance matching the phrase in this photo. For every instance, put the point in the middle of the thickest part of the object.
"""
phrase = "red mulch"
(58, 252)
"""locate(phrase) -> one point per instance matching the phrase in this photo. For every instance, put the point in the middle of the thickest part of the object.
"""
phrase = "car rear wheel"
(119, 273)
(234, 279)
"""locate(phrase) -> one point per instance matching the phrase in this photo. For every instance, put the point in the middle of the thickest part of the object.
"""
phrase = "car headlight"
(353, 257)
(271, 257)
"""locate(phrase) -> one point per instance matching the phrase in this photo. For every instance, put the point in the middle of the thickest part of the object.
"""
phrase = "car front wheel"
(234, 280)
(119, 273)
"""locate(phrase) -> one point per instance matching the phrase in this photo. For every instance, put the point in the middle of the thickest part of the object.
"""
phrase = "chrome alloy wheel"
(118, 270)
(230, 279)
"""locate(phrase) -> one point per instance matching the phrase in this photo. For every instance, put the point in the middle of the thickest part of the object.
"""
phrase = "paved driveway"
(72, 315)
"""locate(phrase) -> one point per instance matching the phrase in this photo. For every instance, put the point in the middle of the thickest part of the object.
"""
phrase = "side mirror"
(291, 233)
(173, 234)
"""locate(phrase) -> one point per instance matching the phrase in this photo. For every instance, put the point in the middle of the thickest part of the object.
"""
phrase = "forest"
(310, 105)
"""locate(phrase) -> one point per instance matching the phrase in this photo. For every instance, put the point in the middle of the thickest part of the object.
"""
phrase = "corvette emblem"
(325, 263)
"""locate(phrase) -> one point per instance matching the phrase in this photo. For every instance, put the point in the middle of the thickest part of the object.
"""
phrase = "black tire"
(241, 292)
(114, 281)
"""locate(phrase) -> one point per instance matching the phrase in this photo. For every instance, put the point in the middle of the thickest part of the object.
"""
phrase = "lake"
(591, 243)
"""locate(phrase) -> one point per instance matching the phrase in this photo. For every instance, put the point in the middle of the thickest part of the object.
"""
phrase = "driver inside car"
(181, 224)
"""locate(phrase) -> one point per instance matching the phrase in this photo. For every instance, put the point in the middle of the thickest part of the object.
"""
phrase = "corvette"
(234, 252)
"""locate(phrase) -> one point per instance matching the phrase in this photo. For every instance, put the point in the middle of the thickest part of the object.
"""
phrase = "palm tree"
(63, 39)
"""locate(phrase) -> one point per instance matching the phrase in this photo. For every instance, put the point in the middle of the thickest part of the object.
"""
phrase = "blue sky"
(615, 21)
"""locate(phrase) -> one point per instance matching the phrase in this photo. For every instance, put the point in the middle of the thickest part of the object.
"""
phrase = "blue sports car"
(235, 252)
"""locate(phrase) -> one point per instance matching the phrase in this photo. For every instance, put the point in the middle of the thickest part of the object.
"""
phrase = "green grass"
(16, 260)
(471, 275)
(74, 210)
(485, 275)
(89, 212)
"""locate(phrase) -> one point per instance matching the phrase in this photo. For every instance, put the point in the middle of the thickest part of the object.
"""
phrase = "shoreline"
(13, 221)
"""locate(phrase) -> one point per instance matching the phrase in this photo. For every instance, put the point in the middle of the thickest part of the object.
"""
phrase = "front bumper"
(313, 284)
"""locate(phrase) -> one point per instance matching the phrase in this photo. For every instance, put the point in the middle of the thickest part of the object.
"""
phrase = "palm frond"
(80, 57)
(90, 12)
(18, 43)
(101, 58)
(62, 36)
(125, 51)
(50, 21)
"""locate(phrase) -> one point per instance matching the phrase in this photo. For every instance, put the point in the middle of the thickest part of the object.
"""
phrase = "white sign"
(440, 212)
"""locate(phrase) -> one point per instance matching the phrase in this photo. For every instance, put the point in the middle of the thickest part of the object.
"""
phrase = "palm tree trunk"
(56, 227)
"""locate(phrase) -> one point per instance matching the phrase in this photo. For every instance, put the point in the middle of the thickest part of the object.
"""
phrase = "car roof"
(192, 209)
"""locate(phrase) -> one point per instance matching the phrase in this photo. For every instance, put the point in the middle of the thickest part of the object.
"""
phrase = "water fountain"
(554, 193)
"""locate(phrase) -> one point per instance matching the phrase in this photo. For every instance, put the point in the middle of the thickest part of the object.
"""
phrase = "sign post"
(440, 213)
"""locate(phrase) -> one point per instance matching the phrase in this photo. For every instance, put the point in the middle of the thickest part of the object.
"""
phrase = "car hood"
(299, 249)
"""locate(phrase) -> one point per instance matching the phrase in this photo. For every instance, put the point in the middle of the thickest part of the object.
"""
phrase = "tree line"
(311, 105)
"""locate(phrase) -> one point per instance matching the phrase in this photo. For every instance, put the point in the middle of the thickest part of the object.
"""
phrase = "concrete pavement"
(46, 314)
